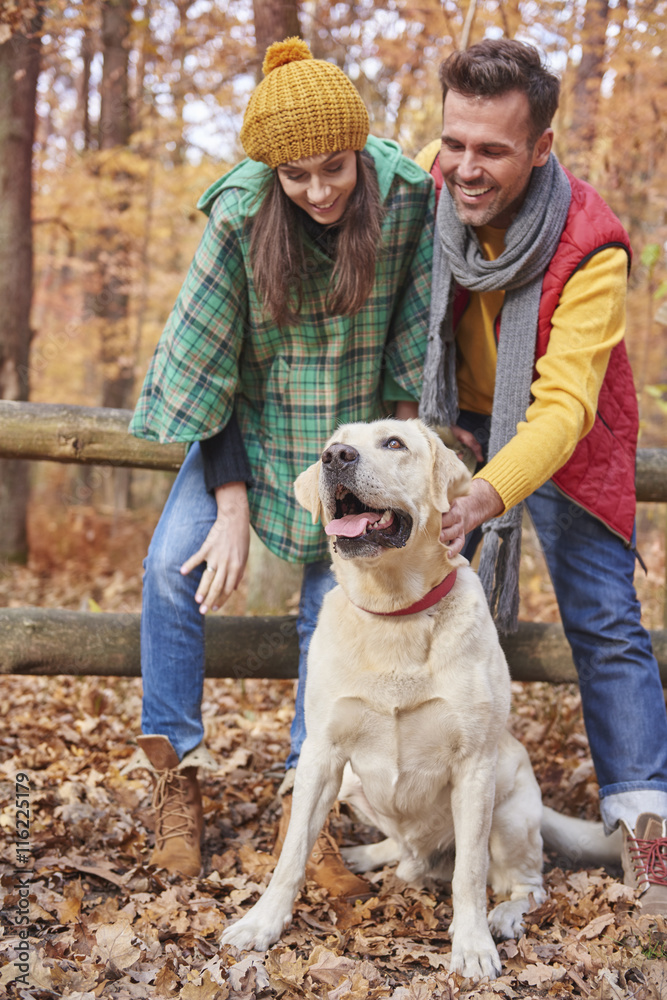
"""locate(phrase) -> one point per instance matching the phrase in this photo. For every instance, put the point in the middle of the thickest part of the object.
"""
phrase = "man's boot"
(178, 817)
(644, 858)
(325, 864)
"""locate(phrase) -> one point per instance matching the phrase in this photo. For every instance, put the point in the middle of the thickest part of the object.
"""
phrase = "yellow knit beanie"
(302, 107)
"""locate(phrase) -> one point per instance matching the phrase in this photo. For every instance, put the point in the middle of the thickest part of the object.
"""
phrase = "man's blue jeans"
(172, 629)
(592, 571)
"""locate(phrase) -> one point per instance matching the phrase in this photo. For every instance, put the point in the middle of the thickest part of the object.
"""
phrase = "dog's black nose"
(339, 456)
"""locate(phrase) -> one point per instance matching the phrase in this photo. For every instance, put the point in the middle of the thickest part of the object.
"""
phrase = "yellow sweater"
(587, 323)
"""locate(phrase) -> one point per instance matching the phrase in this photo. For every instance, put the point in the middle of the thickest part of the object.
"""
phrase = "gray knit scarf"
(530, 243)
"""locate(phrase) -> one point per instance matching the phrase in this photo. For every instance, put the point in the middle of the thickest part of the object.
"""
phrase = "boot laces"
(172, 816)
(325, 847)
(649, 859)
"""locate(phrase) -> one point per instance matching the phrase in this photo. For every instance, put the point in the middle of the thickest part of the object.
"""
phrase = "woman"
(306, 305)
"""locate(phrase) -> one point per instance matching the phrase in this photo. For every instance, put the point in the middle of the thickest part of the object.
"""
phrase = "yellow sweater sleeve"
(425, 158)
(587, 323)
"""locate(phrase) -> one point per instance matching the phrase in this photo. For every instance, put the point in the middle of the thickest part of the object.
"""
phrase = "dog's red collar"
(427, 601)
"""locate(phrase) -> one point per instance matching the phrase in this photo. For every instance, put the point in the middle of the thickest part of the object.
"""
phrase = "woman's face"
(321, 185)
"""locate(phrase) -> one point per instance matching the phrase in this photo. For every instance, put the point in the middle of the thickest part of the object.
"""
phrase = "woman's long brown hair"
(280, 263)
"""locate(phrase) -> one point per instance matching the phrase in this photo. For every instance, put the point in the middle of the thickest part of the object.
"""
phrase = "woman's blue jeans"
(172, 629)
(592, 571)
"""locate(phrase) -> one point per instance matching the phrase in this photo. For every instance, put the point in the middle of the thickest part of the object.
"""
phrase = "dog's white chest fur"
(399, 679)
(402, 753)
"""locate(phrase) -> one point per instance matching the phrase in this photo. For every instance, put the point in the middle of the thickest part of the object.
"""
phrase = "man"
(526, 362)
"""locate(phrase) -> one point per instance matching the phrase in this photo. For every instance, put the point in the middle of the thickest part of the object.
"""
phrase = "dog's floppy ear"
(306, 488)
(451, 478)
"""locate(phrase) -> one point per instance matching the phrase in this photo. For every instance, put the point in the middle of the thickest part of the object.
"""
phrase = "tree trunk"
(87, 53)
(145, 46)
(467, 26)
(19, 69)
(111, 303)
(586, 91)
(114, 91)
(180, 85)
(274, 20)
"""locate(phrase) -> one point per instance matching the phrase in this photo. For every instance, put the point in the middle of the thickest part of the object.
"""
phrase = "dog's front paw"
(475, 960)
(506, 919)
(356, 858)
(370, 857)
(255, 932)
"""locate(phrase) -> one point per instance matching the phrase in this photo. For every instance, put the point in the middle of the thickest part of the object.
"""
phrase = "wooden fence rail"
(45, 641)
(97, 436)
(82, 434)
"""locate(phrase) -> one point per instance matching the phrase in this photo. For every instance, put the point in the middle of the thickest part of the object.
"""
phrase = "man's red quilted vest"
(600, 474)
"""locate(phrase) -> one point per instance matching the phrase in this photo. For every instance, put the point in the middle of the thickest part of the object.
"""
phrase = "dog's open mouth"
(355, 522)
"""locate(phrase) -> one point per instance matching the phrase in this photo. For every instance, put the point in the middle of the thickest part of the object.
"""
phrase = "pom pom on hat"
(302, 107)
(281, 53)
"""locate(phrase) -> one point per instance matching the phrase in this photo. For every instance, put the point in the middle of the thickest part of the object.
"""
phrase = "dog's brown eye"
(394, 444)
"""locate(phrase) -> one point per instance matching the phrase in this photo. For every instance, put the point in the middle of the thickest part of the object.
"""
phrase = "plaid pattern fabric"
(291, 387)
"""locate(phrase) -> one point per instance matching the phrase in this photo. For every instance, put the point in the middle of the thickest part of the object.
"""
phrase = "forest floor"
(103, 923)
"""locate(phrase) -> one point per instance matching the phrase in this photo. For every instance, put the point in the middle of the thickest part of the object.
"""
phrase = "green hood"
(249, 176)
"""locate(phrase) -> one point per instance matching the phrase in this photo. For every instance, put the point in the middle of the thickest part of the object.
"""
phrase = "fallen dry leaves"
(105, 924)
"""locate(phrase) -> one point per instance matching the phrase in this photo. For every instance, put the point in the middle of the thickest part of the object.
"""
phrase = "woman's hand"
(225, 550)
(469, 440)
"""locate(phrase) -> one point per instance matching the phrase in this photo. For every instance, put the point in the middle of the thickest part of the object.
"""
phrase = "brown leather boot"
(644, 860)
(325, 865)
(179, 820)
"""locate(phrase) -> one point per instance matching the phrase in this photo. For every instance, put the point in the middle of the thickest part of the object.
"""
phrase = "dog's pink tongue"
(352, 525)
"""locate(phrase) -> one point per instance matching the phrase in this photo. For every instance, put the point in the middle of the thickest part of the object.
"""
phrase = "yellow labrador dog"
(407, 700)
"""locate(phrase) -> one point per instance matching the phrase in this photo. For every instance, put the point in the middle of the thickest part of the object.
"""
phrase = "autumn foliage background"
(137, 111)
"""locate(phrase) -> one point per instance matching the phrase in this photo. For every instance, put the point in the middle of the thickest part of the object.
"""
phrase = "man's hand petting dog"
(468, 512)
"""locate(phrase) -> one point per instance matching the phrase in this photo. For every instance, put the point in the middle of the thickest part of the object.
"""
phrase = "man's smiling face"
(487, 155)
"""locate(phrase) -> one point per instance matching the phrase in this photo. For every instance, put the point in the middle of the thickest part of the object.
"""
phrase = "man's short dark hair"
(496, 66)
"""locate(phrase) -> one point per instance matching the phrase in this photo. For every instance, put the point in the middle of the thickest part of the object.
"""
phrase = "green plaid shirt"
(290, 387)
